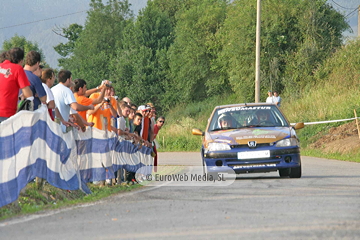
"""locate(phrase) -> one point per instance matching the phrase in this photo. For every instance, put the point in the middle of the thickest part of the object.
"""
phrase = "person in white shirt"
(270, 98)
(277, 98)
(64, 97)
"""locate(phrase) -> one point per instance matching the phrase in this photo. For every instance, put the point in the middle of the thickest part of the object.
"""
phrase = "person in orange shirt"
(81, 94)
(107, 109)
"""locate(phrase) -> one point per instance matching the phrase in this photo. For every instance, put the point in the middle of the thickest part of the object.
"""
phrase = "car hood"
(244, 135)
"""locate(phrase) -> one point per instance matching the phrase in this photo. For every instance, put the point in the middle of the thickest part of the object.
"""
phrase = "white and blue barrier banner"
(32, 145)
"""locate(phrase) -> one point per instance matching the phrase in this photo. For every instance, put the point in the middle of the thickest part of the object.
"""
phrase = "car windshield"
(247, 116)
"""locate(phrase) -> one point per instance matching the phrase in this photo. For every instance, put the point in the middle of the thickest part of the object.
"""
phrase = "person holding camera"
(103, 111)
(81, 94)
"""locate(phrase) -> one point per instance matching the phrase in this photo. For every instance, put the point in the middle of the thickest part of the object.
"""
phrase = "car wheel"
(210, 175)
(204, 168)
(285, 172)
(295, 172)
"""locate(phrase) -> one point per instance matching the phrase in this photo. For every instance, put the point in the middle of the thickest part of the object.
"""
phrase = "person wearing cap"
(144, 134)
(32, 64)
(270, 98)
(146, 130)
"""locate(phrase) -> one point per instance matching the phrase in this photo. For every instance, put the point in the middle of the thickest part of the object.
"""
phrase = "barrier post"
(357, 123)
(104, 127)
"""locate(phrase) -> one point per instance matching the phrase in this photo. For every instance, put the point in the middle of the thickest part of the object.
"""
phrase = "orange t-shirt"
(83, 101)
(103, 110)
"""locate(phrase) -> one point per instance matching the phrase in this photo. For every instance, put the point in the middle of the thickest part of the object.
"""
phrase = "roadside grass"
(350, 157)
(33, 199)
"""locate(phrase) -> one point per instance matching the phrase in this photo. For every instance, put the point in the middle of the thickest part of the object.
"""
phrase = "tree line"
(178, 51)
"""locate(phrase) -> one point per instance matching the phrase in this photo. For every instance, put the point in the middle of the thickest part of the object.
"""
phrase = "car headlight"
(287, 142)
(218, 147)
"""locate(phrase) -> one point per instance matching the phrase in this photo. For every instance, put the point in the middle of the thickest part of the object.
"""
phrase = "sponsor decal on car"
(254, 166)
(232, 109)
(252, 136)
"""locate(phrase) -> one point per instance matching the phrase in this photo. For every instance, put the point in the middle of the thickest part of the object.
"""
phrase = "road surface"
(323, 204)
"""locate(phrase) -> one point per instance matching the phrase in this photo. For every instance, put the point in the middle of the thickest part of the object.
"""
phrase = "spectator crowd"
(71, 104)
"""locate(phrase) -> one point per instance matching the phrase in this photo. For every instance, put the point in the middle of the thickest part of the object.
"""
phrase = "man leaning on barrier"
(12, 78)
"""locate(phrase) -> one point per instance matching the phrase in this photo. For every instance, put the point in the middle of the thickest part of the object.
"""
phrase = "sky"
(36, 20)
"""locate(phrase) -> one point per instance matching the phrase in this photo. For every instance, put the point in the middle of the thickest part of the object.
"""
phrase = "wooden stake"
(103, 127)
(357, 123)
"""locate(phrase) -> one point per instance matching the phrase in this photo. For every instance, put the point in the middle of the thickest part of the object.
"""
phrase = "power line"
(342, 6)
(42, 20)
(351, 12)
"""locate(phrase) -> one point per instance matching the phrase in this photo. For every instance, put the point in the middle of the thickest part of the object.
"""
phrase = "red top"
(12, 79)
(145, 128)
(156, 130)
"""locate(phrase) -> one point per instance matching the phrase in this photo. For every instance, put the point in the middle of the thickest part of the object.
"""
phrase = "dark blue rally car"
(250, 138)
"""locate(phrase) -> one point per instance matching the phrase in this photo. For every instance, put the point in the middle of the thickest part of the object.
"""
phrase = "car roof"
(245, 105)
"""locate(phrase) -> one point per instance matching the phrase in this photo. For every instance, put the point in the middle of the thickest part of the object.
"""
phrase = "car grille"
(246, 146)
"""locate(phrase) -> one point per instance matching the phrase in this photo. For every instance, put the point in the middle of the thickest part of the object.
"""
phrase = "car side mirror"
(299, 126)
(197, 131)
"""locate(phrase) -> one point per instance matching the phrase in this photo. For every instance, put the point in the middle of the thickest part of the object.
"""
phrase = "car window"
(247, 116)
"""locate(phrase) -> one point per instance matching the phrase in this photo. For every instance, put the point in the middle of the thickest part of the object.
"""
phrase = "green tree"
(320, 28)
(72, 34)
(140, 65)
(21, 42)
(97, 42)
(194, 49)
(295, 37)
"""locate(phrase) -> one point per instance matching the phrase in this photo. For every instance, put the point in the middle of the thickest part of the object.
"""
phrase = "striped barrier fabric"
(32, 145)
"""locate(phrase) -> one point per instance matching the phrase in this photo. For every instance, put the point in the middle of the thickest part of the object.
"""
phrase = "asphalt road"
(323, 204)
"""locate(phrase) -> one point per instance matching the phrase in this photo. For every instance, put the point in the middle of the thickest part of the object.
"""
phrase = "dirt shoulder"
(343, 139)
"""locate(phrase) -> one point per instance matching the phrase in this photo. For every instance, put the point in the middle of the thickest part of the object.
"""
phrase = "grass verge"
(32, 199)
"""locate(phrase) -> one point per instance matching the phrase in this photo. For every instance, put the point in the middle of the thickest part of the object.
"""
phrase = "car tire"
(204, 168)
(284, 172)
(214, 175)
(295, 172)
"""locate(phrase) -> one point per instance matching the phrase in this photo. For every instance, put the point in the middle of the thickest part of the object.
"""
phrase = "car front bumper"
(280, 158)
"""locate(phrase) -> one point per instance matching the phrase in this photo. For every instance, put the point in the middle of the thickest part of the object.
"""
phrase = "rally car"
(250, 138)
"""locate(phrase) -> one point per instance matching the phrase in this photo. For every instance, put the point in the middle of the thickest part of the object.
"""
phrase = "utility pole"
(257, 61)
(358, 21)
